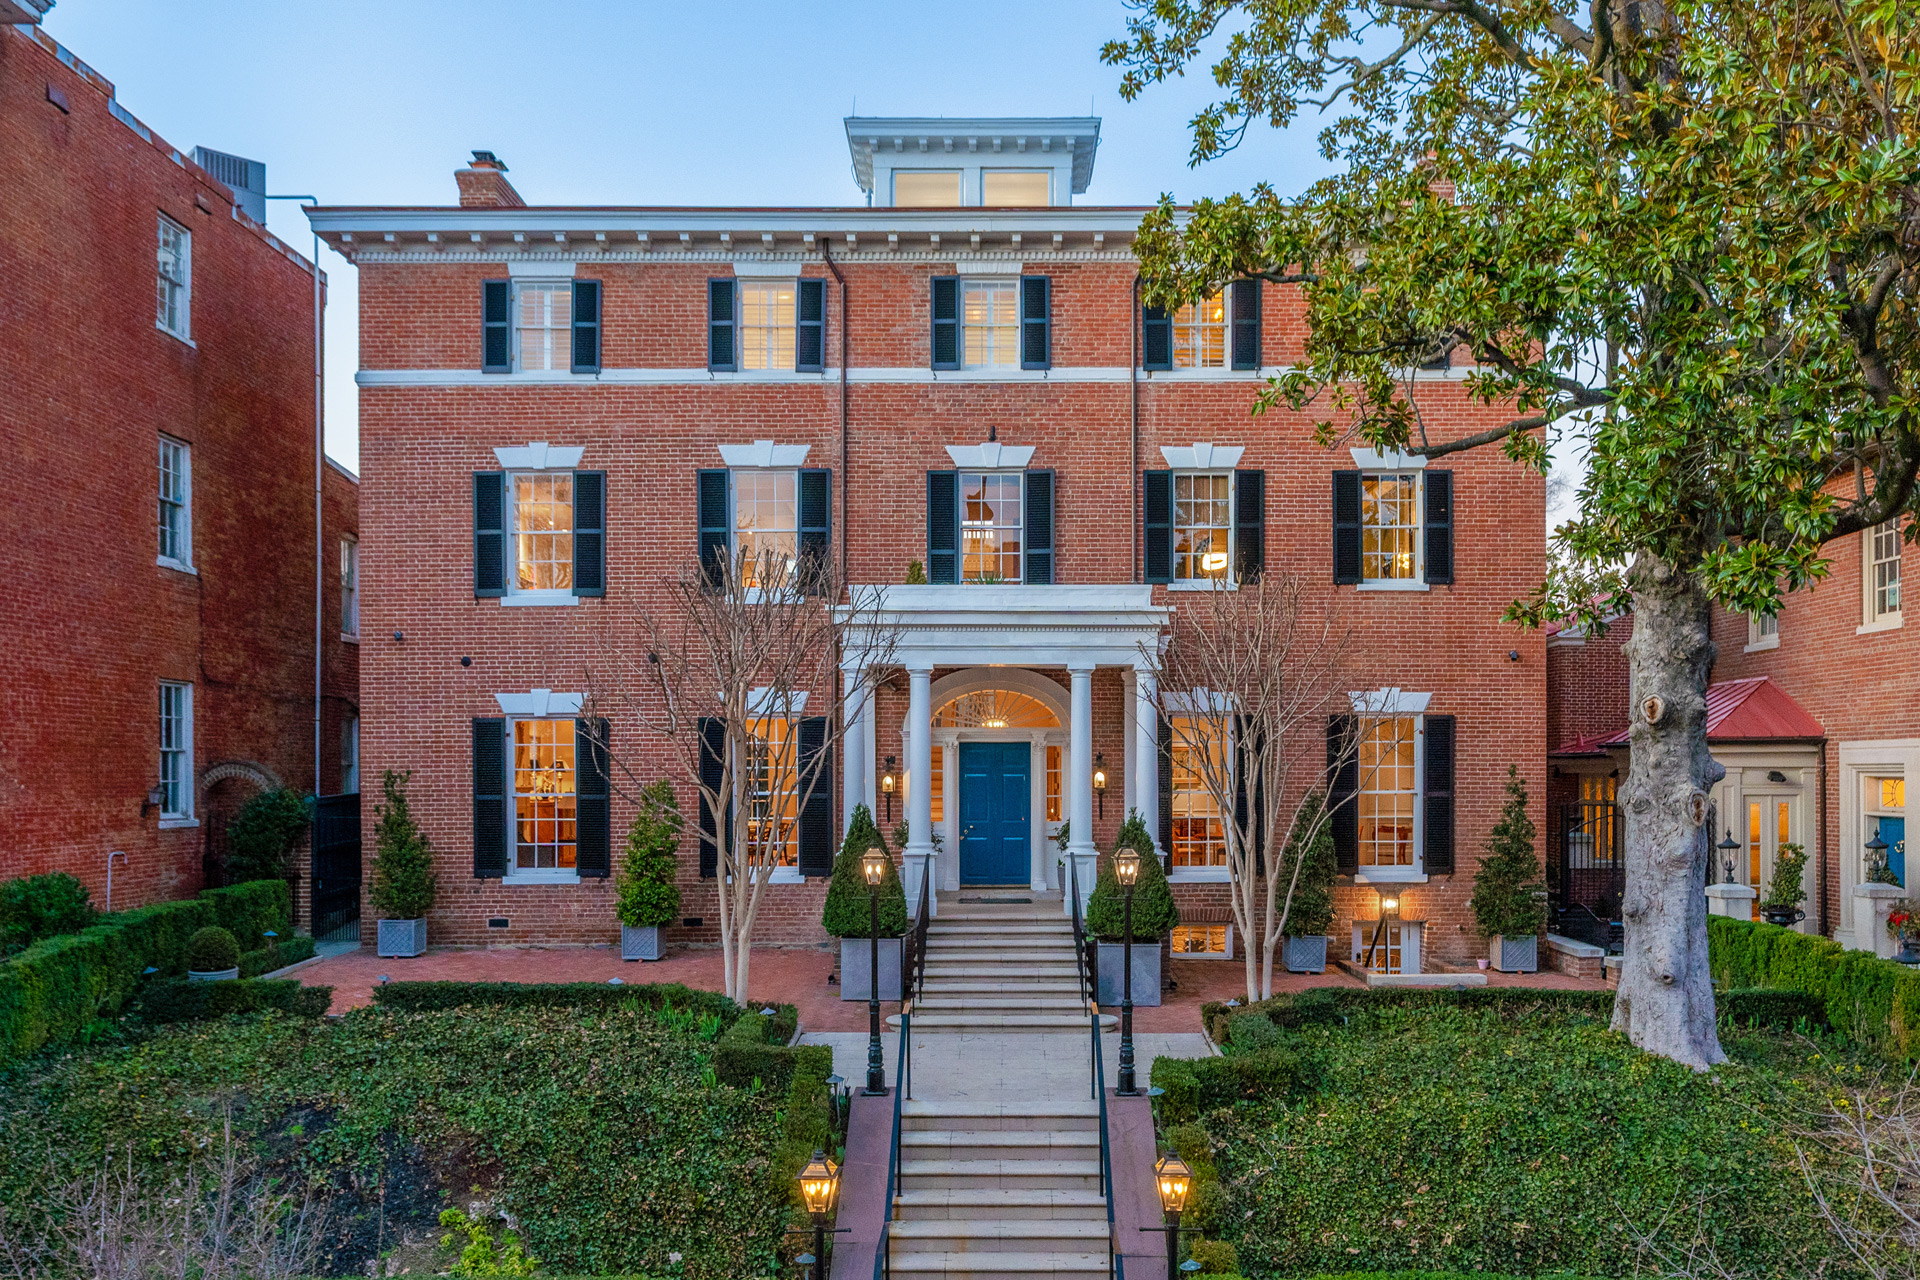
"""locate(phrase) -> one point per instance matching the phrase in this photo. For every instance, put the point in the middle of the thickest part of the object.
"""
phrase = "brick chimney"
(484, 185)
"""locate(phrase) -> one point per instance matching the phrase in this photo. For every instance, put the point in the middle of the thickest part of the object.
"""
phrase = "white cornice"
(991, 456)
(764, 453)
(1203, 457)
(540, 456)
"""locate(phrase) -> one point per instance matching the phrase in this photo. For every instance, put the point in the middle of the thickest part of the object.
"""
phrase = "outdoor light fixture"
(1173, 1180)
(874, 866)
(155, 797)
(819, 1187)
(1727, 848)
(1876, 854)
(1389, 907)
(887, 786)
(1126, 869)
(1100, 780)
(1389, 911)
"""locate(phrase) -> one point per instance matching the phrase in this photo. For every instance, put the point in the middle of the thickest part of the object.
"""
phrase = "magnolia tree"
(740, 657)
(1246, 682)
(1683, 236)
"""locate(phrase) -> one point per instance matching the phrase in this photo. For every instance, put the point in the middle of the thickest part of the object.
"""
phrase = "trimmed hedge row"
(277, 955)
(1192, 1086)
(1873, 1001)
(178, 1000)
(1771, 1009)
(1317, 1005)
(433, 997)
(755, 1048)
(58, 985)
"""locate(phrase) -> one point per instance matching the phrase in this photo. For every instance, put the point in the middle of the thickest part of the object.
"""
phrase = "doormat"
(999, 901)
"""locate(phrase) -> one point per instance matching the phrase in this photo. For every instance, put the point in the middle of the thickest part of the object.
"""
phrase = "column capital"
(1081, 666)
(918, 668)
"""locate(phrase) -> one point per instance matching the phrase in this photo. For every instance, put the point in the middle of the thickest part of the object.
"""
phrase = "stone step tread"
(960, 1108)
(1018, 1139)
(999, 1167)
(1000, 1264)
(994, 938)
(1000, 1001)
(1000, 1228)
(1067, 982)
(1002, 953)
(1003, 1021)
(988, 1199)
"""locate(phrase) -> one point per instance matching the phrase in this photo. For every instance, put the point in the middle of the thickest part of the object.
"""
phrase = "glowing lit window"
(1387, 792)
(1202, 525)
(766, 525)
(771, 791)
(995, 709)
(1015, 188)
(767, 324)
(989, 325)
(926, 189)
(543, 531)
(1199, 836)
(991, 520)
(1200, 334)
(543, 795)
(544, 328)
(939, 784)
(1390, 527)
(1053, 784)
(1381, 951)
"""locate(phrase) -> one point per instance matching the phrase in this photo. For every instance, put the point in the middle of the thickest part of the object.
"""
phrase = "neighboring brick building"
(159, 376)
(521, 364)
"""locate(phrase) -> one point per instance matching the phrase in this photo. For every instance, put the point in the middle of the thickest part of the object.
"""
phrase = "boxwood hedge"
(1873, 1001)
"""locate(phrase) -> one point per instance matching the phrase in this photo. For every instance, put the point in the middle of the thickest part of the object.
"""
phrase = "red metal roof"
(1751, 710)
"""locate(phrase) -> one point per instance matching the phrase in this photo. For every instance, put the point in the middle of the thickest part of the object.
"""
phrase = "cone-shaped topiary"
(848, 913)
(1154, 912)
(211, 950)
(402, 858)
(647, 894)
(1312, 911)
(1504, 890)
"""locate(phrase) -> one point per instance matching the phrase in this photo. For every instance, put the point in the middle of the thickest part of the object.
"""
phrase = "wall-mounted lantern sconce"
(887, 786)
(1100, 780)
(155, 797)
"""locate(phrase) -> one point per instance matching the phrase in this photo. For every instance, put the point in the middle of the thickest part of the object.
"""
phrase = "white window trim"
(547, 278)
(1869, 621)
(538, 704)
(351, 636)
(960, 502)
(991, 455)
(187, 817)
(1226, 583)
(185, 332)
(1418, 582)
(764, 455)
(1411, 936)
(759, 707)
(540, 456)
(1203, 703)
(960, 326)
(1385, 704)
(544, 597)
(1756, 641)
(186, 507)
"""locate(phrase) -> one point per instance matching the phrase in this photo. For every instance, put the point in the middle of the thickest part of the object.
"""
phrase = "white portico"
(995, 717)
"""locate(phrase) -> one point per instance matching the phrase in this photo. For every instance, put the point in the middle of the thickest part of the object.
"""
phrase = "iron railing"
(1589, 872)
(913, 971)
(1085, 968)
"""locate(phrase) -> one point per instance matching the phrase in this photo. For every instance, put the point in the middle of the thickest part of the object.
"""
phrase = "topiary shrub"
(1251, 1031)
(403, 885)
(847, 913)
(1788, 887)
(1311, 912)
(1506, 888)
(36, 907)
(646, 892)
(263, 833)
(1154, 910)
(212, 950)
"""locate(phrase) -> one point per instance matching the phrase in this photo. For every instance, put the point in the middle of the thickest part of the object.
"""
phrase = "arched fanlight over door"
(995, 709)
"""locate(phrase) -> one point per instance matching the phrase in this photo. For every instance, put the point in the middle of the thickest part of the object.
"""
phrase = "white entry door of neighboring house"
(1772, 819)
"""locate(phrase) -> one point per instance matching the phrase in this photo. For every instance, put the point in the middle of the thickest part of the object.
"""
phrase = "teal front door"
(996, 806)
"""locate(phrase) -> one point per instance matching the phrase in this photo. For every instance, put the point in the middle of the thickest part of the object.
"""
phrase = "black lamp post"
(887, 785)
(874, 866)
(1727, 849)
(1876, 854)
(1173, 1179)
(1126, 869)
(819, 1187)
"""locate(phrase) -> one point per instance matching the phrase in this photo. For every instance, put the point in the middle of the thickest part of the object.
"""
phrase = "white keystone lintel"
(988, 266)
(1203, 457)
(1389, 702)
(991, 456)
(764, 453)
(540, 702)
(540, 456)
(766, 701)
(767, 266)
(1374, 460)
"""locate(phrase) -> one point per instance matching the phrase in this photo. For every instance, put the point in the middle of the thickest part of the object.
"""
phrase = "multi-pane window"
(1886, 819)
(1763, 630)
(1388, 792)
(989, 325)
(1379, 952)
(771, 790)
(766, 525)
(1015, 188)
(938, 768)
(1199, 835)
(176, 502)
(991, 514)
(544, 326)
(349, 587)
(1593, 834)
(1202, 525)
(543, 531)
(1390, 527)
(926, 189)
(1200, 334)
(1202, 940)
(1053, 784)
(766, 324)
(1883, 572)
(174, 283)
(176, 749)
(543, 795)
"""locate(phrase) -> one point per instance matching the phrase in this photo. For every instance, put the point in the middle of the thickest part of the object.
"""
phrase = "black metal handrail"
(902, 1086)
(913, 970)
(1089, 990)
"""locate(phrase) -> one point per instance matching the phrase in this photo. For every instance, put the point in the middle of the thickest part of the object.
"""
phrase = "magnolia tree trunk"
(1665, 1001)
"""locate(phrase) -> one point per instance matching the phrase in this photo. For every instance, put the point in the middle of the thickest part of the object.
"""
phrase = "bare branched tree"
(740, 658)
(1861, 1160)
(1247, 680)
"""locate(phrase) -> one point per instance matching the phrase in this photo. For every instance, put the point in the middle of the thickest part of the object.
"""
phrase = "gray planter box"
(856, 958)
(1146, 972)
(1307, 955)
(640, 942)
(213, 975)
(401, 939)
(1515, 955)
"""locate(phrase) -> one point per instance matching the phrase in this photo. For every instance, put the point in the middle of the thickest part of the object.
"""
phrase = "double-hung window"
(767, 323)
(174, 282)
(542, 534)
(766, 526)
(176, 504)
(350, 756)
(543, 326)
(1881, 545)
(349, 589)
(540, 326)
(1390, 527)
(771, 790)
(1763, 631)
(1200, 334)
(1393, 527)
(992, 511)
(1202, 526)
(989, 325)
(1389, 794)
(176, 751)
(545, 795)
(1198, 833)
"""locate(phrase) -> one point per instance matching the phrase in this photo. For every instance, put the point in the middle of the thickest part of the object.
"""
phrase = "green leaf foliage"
(212, 949)
(646, 890)
(262, 834)
(36, 907)
(1788, 886)
(178, 1000)
(1507, 889)
(403, 881)
(848, 912)
(1311, 911)
(1154, 910)
(1873, 1001)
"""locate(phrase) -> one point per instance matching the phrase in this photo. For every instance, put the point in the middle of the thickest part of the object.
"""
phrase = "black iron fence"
(1587, 875)
(336, 868)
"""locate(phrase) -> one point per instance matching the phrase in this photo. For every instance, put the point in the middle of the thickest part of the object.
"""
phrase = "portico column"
(1146, 754)
(1129, 750)
(855, 767)
(1080, 845)
(919, 853)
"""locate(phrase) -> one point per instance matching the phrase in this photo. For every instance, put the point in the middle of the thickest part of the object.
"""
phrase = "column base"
(1085, 863)
(1871, 905)
(916, 863)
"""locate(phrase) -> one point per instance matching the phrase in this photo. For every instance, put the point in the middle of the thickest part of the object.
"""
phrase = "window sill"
(1202, 584)
(539, 599)
(178, 566)
(176, 336)
(541, 877)
(1891, 623)
(1391, 875)
(1391, 585)
(349, 637)
(178, 824)
(1199, 875)
(1758, 646)
(785, 875)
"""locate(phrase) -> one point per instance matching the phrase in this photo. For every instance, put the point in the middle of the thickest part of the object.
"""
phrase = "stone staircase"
(1000, 967)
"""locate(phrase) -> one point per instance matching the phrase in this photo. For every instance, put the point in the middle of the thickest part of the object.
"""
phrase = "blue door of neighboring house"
(1894, 832)
(995, 813)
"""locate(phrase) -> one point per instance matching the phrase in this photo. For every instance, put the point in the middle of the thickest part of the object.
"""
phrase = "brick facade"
(88, 387)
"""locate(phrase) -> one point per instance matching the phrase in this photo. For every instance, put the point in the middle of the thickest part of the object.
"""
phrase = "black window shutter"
(1036, 323)
(496, 326)
(1249, 524)
(1249, 806)
(586, 326)
(1156, 338)
(816, 817)
(489, 798)
(810, 334)
(946, 322)
(943, 526)
(589, 533)
(1439, 486)
(489, 533)
(1437, 854)
(593, 820)
(1157, 507)
(722, 303)
(716, 541)
(1039, 530)
(1343, 785)
(1246, 324)
(713, 746)
(1164, 736)
(1346, 526)
(816, 526)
